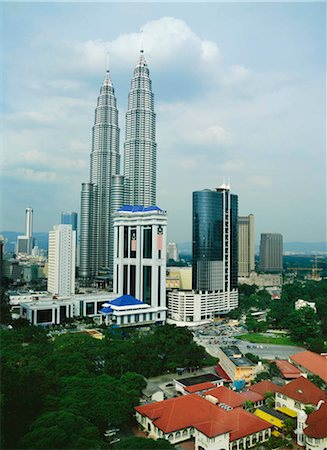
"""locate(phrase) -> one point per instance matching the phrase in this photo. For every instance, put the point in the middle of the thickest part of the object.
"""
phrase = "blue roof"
(126, 300)
(106, 310)
(138, 208)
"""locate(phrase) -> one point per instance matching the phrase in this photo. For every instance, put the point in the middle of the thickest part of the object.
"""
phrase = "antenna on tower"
(142, 42)
(107, 70)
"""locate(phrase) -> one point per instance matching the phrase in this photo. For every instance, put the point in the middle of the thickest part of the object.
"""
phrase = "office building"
(61, 260)
(214, 260)
(271, 252)
(25, 242)
(140, 148)
(215, 250)
(97, 204)
(69, 218)
(140, 254)
(245, 245)
(172, 251)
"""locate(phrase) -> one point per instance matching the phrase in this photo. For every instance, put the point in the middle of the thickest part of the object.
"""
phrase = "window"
(125, 279)
(147, 242)
(132, 252)
(125, 242)
(89, 308)
(159, 286)
(132, 280)
(147, 284)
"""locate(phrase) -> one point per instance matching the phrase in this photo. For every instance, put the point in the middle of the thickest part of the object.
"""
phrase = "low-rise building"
(264, 387)
(288, 371)
(298, 394)
(237, 366)
(311, 363)
(191, 416)
(312, 429)
(225, 398)
(305, 304)
(198, 307)
(198, 383)
(262, 280)
(275, 418)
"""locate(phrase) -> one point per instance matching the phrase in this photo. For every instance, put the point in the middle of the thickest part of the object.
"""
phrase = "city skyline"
(251, 109)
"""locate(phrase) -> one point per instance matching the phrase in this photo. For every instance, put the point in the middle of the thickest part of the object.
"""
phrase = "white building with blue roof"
(126, 311)
(140, 255)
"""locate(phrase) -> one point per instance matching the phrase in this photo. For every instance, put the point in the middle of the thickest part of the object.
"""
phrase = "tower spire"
(142, 42)
(107, 70)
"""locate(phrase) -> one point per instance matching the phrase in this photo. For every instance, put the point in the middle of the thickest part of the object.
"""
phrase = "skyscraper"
(61, 260)
(97, 205)
(215, 240)
(214, 260)
(25, 243)
(69, 218)
(271, 252)
(245, 245)
(140, 149)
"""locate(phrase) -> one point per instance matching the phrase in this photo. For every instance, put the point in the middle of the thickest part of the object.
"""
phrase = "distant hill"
(41, 239)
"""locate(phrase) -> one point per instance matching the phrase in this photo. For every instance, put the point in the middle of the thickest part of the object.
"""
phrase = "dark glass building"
(215, 240)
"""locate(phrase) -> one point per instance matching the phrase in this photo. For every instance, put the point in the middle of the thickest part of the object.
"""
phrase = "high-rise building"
(245, 245)
(214, 263)
(140, 254)
(271, 252)
(140, 149)
(215, 240)
(61, 260)
(99, 199)
(25, 243)
(69, 218)
(172, 251)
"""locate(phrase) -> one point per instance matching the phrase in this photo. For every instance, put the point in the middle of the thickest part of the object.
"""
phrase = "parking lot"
(213, 335)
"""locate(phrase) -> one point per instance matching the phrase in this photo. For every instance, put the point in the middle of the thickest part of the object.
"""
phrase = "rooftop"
(264, 386)
(227, 396)
(252, 396)
(313, 362)
(236, 356)
(272, 412)
(317, 423)
(194, 411)
(138, 208)
(304, 391)
(287, 369)
(199, 387)
(191, 381)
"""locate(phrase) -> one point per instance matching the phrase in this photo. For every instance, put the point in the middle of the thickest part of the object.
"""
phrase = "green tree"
(288, 427)
(248, 405)
(61, 430)
(139, 443)
(303, 325)
(317, 381)
(270, 399)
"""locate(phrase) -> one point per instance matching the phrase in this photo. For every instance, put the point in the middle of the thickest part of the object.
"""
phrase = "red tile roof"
(199, 387)
(264, 386)
(287, 369)
(303, 391)
(252, 396)
(317, 423)
(312, 362)
(221, 373)
(194, 411)
(227, 396)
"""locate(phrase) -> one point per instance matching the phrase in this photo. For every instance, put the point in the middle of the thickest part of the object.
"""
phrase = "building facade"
(245, 245)
(237, 366)
(25, 243)
(172, 251)
(140, 148)
(97, 207)
(140, 253)
(215, 240)
(271, 252)
(61, 260)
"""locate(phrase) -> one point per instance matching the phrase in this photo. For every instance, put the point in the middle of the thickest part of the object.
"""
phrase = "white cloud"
(212, 135)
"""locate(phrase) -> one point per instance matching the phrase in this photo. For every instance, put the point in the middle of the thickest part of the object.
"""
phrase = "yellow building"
(275, 418)
(179, 278)
(237, 366)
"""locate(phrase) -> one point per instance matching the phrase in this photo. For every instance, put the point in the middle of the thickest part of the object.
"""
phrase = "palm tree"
(270, 399)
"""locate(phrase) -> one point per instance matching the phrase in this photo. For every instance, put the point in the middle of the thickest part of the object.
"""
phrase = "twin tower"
(108, 190)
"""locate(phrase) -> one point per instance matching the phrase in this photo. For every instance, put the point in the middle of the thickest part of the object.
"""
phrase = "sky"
(239, 91)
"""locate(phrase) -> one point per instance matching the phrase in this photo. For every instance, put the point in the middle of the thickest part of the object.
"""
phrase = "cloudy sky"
(239, 93)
